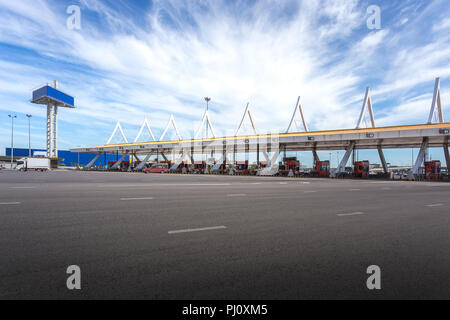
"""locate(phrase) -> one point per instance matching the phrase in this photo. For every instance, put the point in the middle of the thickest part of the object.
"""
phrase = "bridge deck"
(408, 136)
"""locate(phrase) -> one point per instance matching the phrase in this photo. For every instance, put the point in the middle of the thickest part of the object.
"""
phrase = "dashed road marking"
(310, 191)
(237, 195)
(9, 203)
(135, 199)
(197, 229)
(23, 188)
(350, 214)
(435, 205)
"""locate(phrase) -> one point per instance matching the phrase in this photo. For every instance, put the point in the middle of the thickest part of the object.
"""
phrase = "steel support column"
(420, 158)
(315, 155)
(92, 162)
(117, 164)
(446, 153)
(143, 163)
(382, 158)
(341, 168)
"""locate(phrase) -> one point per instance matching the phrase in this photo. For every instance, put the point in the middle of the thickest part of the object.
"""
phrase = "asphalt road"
(138, 236)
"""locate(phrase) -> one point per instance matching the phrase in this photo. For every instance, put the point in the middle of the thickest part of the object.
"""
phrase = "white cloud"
(233, 53)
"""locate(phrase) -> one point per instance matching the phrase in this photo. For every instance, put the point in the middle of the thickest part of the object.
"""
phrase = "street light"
(79, 156)
(12, 116)
(29, 134)
(207, 99)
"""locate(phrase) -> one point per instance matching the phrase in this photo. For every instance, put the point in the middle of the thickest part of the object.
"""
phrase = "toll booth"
(182, 168)
(432, 170)
(321, 169)
(263, 164)
(241, 168)
(135, 164)
(288, 165)
(361, 169)
(199, 167)
(222, 169)
(124, 165)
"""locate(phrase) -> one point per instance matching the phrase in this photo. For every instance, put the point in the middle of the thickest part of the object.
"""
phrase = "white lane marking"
(310, 191)
(203, 184)
(283, 182)
(23, 188)
(434, 205)
(350, 214)
(237, 195)
(355, 190)
(306, 182)
(9, 203)
(135, 199)
(166, 185)
(196, 230)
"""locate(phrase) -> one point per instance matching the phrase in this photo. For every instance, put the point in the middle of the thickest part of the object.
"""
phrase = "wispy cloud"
(129, 63)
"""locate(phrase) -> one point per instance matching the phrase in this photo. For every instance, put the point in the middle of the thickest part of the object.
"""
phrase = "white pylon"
(247, 112)
(208, 122)
(367, 104)
(118, 127)
(145, 124)
(171, 122)
(298, 107)
(436, 106)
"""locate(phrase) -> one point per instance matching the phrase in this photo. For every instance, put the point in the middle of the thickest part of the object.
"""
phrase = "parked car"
(158, 168)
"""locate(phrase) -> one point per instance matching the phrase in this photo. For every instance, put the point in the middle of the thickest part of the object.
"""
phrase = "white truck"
(36, 164)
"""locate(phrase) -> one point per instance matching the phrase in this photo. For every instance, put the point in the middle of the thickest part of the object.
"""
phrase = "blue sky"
(137, 59)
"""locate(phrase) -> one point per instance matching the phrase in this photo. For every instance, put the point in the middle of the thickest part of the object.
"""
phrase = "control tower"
(52, 98)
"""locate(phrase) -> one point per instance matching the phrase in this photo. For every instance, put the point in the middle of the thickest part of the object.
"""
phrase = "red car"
(157, 168)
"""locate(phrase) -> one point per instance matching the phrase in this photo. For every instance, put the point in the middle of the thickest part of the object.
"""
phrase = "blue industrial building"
(68, 158)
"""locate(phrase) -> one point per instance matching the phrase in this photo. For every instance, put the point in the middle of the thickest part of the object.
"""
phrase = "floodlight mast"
(53, 98)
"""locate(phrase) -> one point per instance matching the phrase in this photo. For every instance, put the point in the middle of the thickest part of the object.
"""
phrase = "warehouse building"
(66, 158)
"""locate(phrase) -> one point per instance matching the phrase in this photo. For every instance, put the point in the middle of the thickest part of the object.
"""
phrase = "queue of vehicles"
(289, 167)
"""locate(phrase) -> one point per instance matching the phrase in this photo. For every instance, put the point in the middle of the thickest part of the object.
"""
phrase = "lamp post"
(78, 164)
(29, 134)
(12, 116)
(207, 99)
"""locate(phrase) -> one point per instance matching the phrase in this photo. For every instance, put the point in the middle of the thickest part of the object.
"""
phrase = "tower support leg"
(49, 130)
(55, 132)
